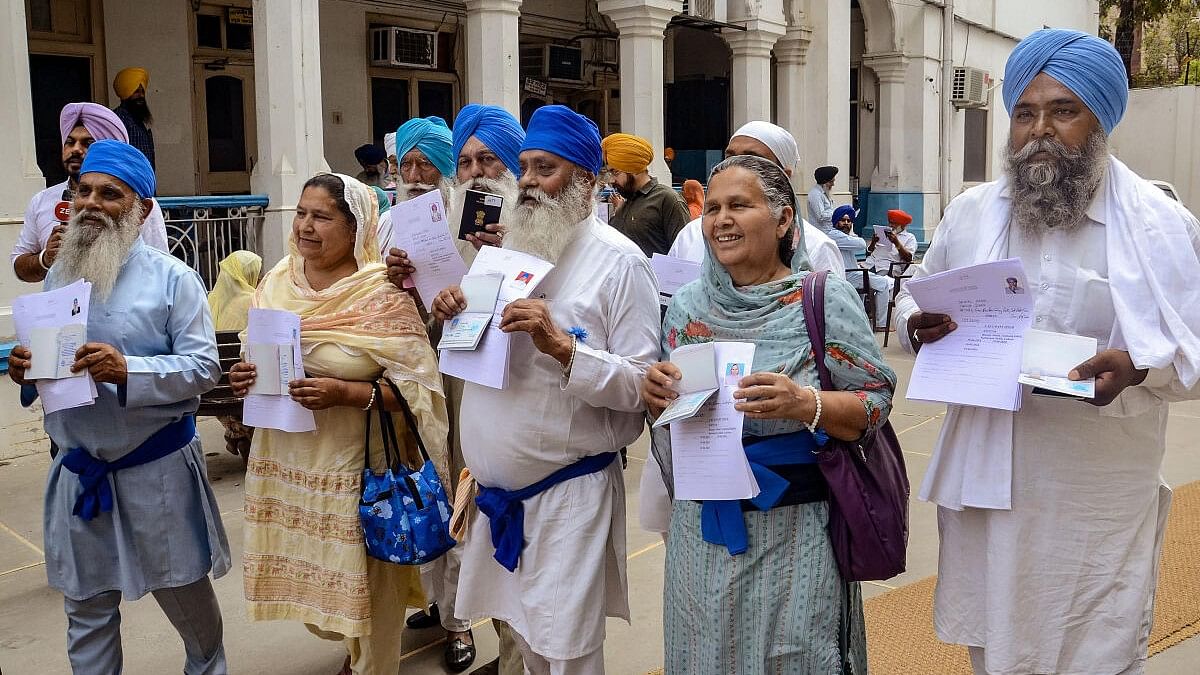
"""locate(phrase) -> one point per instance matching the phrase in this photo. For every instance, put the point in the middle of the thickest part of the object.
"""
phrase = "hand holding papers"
(697, 365)
(465, 330)
(673, 274)
(273, 346)
(1048, 357)
(53, 326)
(419, 229)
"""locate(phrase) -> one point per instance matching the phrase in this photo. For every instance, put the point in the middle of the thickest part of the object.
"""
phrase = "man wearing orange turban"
(899, 246)
(130, 85)
(651, 214)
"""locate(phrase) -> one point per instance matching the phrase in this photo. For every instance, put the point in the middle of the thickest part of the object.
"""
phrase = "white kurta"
(572, 569)
(823, 253)
(1063, 582)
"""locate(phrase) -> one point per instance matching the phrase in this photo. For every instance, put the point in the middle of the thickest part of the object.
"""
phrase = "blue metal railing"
(202, 230)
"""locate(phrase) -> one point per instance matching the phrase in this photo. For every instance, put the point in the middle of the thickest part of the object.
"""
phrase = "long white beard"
(97, 253)
(505, 185)
(546, 227)
(407, 191)
(1054, 194)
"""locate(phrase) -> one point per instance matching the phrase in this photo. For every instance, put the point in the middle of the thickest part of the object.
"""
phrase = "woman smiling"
(753, 586)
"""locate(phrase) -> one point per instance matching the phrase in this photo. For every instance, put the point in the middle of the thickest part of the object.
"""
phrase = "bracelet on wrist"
(42, 260)
(566, 370)
(371, 401)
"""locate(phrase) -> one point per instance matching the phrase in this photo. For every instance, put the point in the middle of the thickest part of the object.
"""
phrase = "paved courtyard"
(32, 625)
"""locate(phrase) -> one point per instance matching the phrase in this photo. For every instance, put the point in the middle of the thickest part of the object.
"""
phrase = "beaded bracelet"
(816, 420)
(566, 370)
(371, 402)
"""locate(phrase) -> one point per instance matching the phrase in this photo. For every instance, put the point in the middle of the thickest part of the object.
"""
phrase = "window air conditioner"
(970, 87)
(562, 63)
(396, 47)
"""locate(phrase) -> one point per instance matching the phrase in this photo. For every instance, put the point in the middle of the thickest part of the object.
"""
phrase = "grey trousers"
(978, 658)
(94, 629)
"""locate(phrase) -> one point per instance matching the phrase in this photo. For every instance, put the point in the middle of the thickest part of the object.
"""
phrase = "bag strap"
(391, 453)
(408, 418)
(814, 321)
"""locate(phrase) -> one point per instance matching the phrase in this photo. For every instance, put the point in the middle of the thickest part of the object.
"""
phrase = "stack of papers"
(707, 457)
(273, 346)
(1047, 358)
(488, 363)
(981, 363)
(53, 326)
(465, 330)
(419, 229)
(672, 273)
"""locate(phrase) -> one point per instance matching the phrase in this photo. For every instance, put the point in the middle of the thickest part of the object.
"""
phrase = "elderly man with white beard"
(128, 507)
(546, 551)
(1051, 518)
(425, 163)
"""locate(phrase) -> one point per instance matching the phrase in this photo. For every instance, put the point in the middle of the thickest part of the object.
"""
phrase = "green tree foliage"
(1170, 38)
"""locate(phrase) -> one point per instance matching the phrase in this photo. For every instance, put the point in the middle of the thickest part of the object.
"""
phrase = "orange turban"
(898, 217)
(626, 152)
(127, 81)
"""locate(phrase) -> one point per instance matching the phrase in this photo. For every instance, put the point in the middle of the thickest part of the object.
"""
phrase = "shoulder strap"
(408, 418)
(814, 321)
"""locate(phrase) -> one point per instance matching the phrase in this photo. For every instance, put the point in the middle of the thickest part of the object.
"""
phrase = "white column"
(827, 83)
(287, 77)
(894, 170)
(493, 53)
(790, 55)
(750, 71)
(642, 24)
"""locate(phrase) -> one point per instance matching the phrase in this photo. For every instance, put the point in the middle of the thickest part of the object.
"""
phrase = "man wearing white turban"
(769, 141)
(1051, 518)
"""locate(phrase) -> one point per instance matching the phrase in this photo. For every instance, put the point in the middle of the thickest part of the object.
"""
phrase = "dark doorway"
(436, 98)
(697, 124)
(55, 81)
(389, 106)
(226, 124)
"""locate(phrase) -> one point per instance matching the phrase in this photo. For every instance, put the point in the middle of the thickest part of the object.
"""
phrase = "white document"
(419, 229)
(52, 324)
(487, 364)
(602, 211)
(1048, 358)
(465, 330)
(673, 273)
(273, 346)
(698, 368)
(707, 457)
(977, 364)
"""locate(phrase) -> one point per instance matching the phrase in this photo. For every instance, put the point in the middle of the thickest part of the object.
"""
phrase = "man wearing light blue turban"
(423, 152)
(1051, 517)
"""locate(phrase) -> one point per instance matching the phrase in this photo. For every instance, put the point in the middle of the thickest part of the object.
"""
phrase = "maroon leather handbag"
(868, 484)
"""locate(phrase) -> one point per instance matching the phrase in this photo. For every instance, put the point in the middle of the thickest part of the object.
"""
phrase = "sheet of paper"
(267, 380)
(602, 211)
(1048, 357)
(59, 308)
(44, 355)
(708, 460)
(480, 291)
(673, 273)
(977, 364)
(487, 364)
(419, 228)
(280, 329)
(698, 369)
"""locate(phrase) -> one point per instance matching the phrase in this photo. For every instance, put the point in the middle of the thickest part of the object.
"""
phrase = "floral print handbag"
(405, 514)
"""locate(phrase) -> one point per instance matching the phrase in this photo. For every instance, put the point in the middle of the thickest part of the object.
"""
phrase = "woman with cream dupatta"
(305, 558)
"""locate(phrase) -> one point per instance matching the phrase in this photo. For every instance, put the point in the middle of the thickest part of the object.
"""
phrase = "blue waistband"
(721, 521)
(96, 495)
(506, 513)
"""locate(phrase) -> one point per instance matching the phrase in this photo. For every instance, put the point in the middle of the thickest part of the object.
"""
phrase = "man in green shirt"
(651, 214)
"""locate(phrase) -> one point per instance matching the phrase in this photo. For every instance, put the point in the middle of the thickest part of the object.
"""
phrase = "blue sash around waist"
(721, 520)
(507, 514)
(96, 495)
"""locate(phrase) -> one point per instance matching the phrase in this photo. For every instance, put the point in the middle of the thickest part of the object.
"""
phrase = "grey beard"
(97, 253)
(407, 191)
(545, 228)
(1054, 194)
(504, 185)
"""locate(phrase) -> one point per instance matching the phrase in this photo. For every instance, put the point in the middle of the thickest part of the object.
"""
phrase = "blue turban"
(559, 130)
(432, 137)
(1083, 63)
(495, 127)
(121, 160)
(842, 210)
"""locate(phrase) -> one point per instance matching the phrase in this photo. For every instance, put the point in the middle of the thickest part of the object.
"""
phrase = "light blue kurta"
(164, 529)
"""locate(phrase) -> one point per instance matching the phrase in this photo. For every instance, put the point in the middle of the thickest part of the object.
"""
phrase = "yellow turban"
(127, 81)
(626, 152)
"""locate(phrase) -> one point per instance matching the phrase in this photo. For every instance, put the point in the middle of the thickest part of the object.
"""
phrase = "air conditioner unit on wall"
(396, 47)
(562, 63)
(970, 87)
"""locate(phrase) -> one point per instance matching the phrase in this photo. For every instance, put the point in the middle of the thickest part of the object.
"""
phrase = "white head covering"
(389, 143)
(779, 140)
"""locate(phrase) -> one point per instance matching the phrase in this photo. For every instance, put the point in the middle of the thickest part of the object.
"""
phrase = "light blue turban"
(120, 160)
(495, 127)
(1083, 63)
(381, 199)
(432, 137)
(559, 130)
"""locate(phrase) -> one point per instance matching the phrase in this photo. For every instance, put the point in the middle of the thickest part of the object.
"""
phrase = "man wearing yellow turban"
(652, 214)
(130, 85)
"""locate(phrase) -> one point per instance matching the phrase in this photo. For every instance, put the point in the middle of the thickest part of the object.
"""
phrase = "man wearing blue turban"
(128, 507)
(423, 152)
(1051, 517)
(546, 550)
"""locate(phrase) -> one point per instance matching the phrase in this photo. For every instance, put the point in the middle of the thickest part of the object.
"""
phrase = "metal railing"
(201, 231)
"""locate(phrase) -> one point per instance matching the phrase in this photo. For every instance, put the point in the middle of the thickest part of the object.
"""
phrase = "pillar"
(826, 140)
(790, 55)
(890, 69)
(642, 24)
(493, 53)
(750, 70)
(287, 81)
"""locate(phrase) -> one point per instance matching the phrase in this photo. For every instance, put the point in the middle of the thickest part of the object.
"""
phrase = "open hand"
(1113, 370)
(318, 393)
(533, 317)
(19, 362)
(928, 328)
(656, 386)
(450, 302)
(241, 377)
(103, 361)
(774, 396)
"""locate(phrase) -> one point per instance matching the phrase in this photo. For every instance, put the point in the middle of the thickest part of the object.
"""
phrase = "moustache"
(1051, 146)
(537, 195)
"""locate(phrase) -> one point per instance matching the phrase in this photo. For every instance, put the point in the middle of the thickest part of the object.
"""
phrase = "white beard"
(505, 186)
(97, 253)
(545, 228)
(407, 191)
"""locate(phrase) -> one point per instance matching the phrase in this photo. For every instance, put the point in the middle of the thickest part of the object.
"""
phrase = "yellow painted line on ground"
(23, 540)
(882, 585)
(426, 647)
(643, 550)
(640, 459)
(22, 568)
